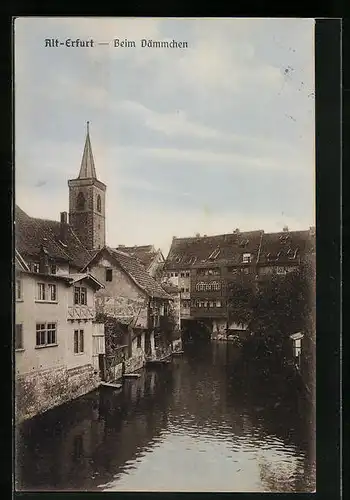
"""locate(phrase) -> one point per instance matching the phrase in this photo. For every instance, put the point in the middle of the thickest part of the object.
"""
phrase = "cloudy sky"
(206, 139)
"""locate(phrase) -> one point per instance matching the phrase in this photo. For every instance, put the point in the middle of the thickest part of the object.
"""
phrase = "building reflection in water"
(245, 435)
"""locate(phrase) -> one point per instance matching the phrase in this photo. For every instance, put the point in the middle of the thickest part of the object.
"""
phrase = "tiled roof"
(213, 250)
(144, 253)
(228, 249)
(32, 233)
(138, 273)
(135, 270)
(285, 246)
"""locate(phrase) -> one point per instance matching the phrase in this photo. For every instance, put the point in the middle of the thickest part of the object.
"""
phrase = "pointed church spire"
(87, 169)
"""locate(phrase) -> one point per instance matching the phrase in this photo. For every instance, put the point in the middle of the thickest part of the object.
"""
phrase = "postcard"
(165, 254)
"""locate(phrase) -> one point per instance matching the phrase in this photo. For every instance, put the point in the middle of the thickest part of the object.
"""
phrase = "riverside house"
(57, 343)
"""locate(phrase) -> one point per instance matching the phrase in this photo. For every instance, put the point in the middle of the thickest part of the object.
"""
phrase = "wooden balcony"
(81, 313)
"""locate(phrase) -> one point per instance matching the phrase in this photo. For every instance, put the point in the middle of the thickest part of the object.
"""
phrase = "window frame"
(19, 288)
(109, 273)
(53, 267)
(99, 204)
(20, 327)
(49, 327)
(78, 293)
(79, 341)
(246, 258)
(45, 293)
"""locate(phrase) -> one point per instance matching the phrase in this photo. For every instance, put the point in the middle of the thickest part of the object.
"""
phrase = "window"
(80, 295)
(46, 334)
(80, 201)
(41, 291)
(182, 275)
(171, 275)
(47, 293)
(175, 274)
(187, 289)
(109, 274)
(182, 290)
(78, 341)
(247, 257)
(52, 292)
(35, 267)
(19, 337)
(98, 203)
(218, 303)
(53, 269)
(187, 274)
(139, 342)
(18, 289)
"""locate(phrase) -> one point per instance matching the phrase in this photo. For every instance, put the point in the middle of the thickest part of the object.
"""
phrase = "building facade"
(133, 298)
(206, 270)
(56, 340)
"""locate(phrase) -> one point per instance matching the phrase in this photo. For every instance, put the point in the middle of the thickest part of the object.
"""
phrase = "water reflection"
(199, 424)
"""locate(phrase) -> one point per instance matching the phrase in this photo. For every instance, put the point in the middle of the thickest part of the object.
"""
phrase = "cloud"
(193, 140)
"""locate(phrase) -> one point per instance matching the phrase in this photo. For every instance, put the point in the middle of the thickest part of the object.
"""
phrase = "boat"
(112, 385)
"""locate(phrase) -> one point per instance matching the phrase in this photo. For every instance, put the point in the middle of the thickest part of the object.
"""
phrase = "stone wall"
(42, 390)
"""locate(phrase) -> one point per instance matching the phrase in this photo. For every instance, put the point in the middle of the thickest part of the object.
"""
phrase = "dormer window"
(214, 254)
(35, 267)
(247, 257)
(243, 243)
(53, 269)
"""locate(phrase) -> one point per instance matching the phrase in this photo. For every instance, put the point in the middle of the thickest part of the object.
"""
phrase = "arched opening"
(98, 203)
(80, 201)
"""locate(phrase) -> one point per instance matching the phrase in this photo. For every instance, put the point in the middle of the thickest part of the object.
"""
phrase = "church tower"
(87, 202)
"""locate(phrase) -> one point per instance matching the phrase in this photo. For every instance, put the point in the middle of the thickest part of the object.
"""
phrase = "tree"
(284, 305)
(240, 303)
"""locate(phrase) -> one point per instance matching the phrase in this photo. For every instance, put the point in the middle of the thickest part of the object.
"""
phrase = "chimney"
(198, 235)
(285, 229)
(64, 227)
(43, 261)
(236, 231)
(312, 230)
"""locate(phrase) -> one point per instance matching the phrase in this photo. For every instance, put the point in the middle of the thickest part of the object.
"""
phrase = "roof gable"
(134, 270)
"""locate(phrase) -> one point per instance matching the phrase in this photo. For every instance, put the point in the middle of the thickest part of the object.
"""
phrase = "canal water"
(205, 422)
